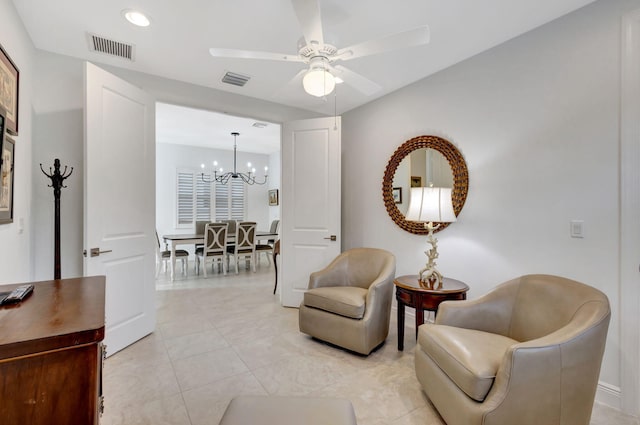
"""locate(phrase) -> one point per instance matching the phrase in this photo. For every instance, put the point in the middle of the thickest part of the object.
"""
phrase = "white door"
(310, 225)
(119, 202)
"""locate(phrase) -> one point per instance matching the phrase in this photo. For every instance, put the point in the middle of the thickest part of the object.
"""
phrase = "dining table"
(198, 238)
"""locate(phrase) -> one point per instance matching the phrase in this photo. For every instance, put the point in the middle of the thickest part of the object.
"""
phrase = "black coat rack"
(56, 183)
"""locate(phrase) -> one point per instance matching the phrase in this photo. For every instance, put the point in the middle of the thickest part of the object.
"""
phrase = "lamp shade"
(431, 204)
(318, 82)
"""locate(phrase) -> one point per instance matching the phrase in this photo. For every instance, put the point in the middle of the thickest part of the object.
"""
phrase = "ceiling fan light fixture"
(318, 82)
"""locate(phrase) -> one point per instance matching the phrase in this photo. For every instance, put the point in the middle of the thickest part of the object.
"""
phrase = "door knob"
(95, 252)
(332, 237)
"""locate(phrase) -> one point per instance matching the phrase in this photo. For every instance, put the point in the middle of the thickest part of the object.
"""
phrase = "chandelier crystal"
(223, 178)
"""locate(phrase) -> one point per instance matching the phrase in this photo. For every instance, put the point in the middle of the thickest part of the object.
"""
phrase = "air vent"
(235, 79)
(111, 47)
(260, 124)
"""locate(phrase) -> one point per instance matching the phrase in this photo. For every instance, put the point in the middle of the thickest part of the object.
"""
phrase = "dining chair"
(264, 249)
(244, 245)
(199, 230)
(275, 228)
(268, 248)
(214, 249)
(163, 256)
(231, 230)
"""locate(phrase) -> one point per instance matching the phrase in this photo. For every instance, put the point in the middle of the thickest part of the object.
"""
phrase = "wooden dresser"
(51, 354)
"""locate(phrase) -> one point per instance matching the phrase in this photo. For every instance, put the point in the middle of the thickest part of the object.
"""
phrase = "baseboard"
(610, 395)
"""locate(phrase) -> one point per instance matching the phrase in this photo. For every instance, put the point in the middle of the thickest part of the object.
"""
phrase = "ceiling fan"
(320, 77)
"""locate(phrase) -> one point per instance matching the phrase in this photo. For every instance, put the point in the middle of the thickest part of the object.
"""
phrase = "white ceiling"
(177, 43)
(195, 127)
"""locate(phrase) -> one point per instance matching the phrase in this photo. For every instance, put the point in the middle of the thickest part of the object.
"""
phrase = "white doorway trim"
(629, 213)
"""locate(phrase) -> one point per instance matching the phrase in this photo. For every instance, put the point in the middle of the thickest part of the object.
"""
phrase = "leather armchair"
(528, 352)
(349, 302)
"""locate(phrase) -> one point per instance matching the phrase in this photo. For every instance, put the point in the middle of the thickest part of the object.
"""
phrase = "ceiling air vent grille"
(111, 47)
(235, 79)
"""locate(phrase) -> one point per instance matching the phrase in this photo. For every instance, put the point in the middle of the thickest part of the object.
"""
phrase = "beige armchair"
(528, 352)
(349, 302)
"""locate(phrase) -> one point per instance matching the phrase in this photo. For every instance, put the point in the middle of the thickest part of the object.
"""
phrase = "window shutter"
(230, 200)
(203, 199)
(237, 199)
(221, 201)
(185, 198)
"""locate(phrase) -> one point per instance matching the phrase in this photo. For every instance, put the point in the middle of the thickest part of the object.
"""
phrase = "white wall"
(537, 120)
(58, 133)
(275, 172)
(171, 157)
(15, 238)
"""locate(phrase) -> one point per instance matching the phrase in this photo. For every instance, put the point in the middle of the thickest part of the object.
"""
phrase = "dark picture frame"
(416, 181)
(273, 197)
(9, 91)
(6, 181)
(397, 195)
(3, 125)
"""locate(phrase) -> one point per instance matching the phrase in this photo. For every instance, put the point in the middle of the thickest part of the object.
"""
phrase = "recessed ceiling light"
(136, 17)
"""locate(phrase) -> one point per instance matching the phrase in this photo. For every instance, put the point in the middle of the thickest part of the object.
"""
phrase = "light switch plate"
(577, 228)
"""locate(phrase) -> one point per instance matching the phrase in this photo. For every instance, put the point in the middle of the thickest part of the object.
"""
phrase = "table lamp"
(431, 205)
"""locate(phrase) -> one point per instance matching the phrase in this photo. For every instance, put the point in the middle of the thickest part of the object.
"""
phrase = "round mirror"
(423, 161)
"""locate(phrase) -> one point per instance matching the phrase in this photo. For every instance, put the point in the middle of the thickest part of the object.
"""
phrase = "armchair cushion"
(346, 301)
(468, 357)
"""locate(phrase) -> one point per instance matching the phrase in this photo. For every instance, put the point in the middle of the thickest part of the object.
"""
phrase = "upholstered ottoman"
(276, 410)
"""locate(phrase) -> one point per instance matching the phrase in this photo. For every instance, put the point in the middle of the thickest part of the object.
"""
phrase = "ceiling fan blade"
(357, 81)
(308, 13)
(414, 37)
(248, 54)
(296, 81)
(292, 86)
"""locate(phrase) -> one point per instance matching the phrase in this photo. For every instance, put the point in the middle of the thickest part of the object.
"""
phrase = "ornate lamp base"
(429, 276)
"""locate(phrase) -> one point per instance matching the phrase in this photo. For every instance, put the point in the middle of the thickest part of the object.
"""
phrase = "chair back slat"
(215, 238)
(246, 236)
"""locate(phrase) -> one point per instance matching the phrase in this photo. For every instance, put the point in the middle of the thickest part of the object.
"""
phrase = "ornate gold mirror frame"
(458, 168)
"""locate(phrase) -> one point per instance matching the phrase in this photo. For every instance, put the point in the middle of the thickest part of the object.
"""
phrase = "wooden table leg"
(400, 325)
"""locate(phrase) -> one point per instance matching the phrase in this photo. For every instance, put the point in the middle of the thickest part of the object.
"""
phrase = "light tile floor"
(227, 335)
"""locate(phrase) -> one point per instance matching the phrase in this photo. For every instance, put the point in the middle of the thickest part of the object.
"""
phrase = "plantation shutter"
(221, 201)
(237, 200)
(203, 199)
(185, 198)
(230, 200)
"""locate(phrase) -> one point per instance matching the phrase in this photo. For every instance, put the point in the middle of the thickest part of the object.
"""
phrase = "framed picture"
(273, 197)
(397, 195)
(416, 181)
(9, 87)
(6, 181)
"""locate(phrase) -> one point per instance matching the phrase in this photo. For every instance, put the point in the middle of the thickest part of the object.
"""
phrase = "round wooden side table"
(410, 293)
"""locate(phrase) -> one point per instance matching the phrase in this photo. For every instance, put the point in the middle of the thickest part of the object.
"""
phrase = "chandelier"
(223, 178)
